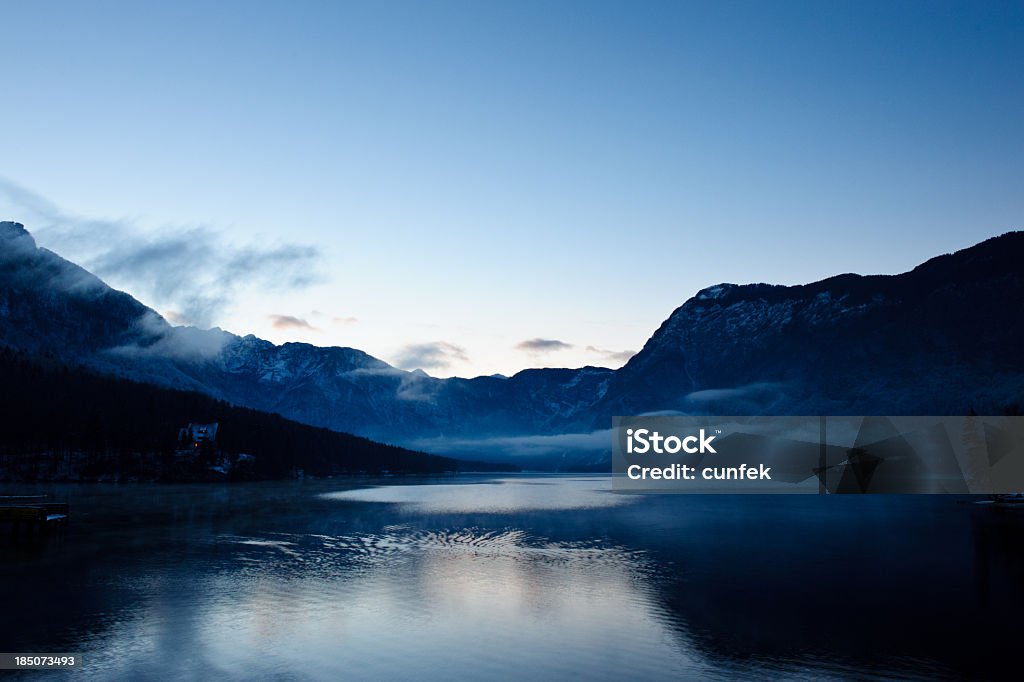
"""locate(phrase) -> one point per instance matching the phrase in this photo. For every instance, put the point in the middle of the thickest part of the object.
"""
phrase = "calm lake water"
(524, 577)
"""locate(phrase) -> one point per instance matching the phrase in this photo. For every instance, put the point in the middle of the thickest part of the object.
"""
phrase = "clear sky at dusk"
(436, 183)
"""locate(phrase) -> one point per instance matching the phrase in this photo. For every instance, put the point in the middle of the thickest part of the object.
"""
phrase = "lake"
(518, 577)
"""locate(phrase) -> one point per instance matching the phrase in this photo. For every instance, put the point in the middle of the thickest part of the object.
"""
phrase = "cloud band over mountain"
(433, 355)
(191, 271)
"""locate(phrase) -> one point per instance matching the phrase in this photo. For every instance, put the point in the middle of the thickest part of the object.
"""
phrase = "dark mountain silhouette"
(58, 421)
(940, 339)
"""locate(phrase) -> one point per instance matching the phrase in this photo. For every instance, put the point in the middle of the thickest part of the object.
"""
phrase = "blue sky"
(436, 183)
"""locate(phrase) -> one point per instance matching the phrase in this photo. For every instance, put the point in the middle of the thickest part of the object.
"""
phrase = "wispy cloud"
(193, 271)
(762, 397)
(290, 322)
(736, 393)
(345, 320)
(612, 355)
(538, 346)
(175, 342)
(433, 355)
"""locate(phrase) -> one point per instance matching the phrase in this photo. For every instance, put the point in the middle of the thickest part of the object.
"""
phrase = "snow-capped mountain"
(53, 307)
(941, 339)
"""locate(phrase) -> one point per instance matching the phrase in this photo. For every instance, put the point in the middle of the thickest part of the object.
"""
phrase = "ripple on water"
(476, 596)
(395, 543)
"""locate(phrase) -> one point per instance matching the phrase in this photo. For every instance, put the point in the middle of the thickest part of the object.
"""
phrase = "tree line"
(52, 413)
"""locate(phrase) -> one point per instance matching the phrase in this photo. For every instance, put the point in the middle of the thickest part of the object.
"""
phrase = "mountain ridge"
(824, 310)
(940, 338)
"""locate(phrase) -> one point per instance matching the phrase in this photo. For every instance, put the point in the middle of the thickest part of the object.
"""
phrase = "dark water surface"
(524, 577)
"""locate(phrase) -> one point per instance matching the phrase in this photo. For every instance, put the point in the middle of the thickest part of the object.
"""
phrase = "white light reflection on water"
(495, 496)
(519, 578)
(403, 604)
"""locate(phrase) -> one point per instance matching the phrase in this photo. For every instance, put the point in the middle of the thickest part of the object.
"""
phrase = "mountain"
(49, 305)
(60, 422)
(940, 339)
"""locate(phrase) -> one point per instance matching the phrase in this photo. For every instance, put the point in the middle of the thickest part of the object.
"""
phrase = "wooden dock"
(41, 517)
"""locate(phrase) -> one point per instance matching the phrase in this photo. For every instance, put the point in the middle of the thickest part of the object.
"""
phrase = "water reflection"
(495, 496)
(489, 580)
